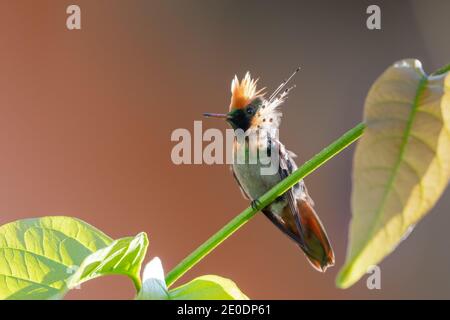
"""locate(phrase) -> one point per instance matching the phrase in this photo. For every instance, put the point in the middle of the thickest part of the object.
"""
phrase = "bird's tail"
(313, 238)
(302, 225)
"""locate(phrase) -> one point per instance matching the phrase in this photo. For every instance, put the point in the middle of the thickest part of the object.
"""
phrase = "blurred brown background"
(86, 118)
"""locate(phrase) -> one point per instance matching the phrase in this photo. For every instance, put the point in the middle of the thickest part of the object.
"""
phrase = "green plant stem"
(442, 70)
(319, 159)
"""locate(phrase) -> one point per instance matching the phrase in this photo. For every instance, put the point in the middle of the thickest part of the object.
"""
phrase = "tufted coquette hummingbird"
(293, 212)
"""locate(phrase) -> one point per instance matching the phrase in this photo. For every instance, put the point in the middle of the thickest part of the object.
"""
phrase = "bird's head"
(249, 109)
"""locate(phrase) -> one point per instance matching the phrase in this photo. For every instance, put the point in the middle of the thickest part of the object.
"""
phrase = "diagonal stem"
(308, 167)
(442, 70)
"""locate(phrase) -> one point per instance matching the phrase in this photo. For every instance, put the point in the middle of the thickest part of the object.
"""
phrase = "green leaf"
(401, 163)
(121, 257)
(208, 287)
(37, 256)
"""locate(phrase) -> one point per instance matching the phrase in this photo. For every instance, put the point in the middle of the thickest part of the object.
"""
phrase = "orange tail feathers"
(315, 241)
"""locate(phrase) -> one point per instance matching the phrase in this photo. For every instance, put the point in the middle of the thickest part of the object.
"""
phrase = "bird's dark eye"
(251, 110)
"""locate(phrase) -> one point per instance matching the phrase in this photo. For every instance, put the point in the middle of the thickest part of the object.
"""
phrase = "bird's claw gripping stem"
(255, 204)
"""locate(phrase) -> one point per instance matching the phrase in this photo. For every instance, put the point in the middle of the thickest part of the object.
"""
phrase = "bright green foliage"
(37, 256)
(121, 257)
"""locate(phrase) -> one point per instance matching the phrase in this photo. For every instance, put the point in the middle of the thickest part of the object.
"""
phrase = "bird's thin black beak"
(216, 115)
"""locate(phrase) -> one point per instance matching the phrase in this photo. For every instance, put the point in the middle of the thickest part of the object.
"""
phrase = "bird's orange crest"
(243, 92)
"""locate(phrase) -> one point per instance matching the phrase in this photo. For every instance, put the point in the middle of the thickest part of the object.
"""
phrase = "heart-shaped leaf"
(121, 257)
(37, 256)
(401, 163)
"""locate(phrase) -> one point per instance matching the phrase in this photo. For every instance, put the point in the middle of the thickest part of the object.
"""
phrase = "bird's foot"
(255, 204)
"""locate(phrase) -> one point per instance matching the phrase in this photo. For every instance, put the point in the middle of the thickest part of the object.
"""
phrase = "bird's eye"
(250, 110)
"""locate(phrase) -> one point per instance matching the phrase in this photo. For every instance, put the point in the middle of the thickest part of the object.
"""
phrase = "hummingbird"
(293, 212)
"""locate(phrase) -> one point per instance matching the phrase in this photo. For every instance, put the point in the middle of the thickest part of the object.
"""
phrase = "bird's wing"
(299, 220)
(287, 166)
(288, 223)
